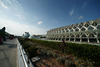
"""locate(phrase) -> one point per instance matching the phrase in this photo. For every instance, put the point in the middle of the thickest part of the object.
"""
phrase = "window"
(77, 29)
(91, 35)
(86, 25)
(71, 30)
(94, 24)
(77, 35)
(84, 35)
(83, 29)
(98, 27)
(90, 28)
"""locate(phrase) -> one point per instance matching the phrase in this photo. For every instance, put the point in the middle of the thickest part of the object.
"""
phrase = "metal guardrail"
(23, 60)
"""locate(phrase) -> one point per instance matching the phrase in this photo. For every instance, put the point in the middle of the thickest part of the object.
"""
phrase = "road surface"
(8, 53)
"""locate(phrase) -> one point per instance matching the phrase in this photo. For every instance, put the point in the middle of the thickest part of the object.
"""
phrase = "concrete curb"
(22, 57)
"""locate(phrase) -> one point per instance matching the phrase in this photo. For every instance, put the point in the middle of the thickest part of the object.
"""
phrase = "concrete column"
(88, 37)
(88, 40)
(97, 40)
(74, 39)
(65, 38)
(80, 39)
(97, 37)
(69, 38)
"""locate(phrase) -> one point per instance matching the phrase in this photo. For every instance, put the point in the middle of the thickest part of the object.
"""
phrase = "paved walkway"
(8, 54)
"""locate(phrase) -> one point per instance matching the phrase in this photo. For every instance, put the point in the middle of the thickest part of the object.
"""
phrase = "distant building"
(35, 36)
(26, 35)
(88, 31)
(42, 37)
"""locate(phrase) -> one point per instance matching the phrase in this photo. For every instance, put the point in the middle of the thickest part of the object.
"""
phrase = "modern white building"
(41, 37)
(88, 31)
(26, 35)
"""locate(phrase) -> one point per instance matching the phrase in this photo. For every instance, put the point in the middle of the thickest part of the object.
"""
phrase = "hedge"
(84, 51)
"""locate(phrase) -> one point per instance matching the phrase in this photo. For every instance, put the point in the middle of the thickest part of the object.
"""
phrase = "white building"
(26, 35)
(88, 31)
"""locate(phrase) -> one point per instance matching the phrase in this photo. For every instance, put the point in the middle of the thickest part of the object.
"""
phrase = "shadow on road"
(9, 45)
(8, 54)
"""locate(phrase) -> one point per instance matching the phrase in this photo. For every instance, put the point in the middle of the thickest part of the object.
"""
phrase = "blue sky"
(39, 16)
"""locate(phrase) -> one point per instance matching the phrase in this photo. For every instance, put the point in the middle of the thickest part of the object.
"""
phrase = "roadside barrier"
(23, 60)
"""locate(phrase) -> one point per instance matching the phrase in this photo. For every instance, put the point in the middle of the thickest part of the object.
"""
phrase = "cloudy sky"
(39, 16)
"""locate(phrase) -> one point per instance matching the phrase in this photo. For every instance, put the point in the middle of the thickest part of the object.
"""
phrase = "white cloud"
(17, 8)
(71, 12)
(16, 11)
(3, 5)
(19, 16)
(80, 17)
(9, 1)
(40, 22)
(18, 28)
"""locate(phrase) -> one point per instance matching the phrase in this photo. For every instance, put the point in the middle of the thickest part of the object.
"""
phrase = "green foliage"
(54, 54)
(49, 53)
(32, 51)
(25, 46)
(43, 52)
(84, 51)
(61, 60)
(69, 63)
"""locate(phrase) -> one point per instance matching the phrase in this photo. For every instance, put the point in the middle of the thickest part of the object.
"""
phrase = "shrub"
(49, 53)
(32, 51)
(69, 63)
(61, 60)
(42, 51)
(25, 46)
(84, 51)
(54, 54)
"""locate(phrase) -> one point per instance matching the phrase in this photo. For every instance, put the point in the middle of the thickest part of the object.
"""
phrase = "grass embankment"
(84, 51)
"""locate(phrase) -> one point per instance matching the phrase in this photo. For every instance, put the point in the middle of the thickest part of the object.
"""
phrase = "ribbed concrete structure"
(88, 31)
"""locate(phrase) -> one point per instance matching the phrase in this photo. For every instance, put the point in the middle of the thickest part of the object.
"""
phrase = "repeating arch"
(84, 35)
(94, 24)
(91, 35)
(89, 30)
(83, 29)
(98, 27)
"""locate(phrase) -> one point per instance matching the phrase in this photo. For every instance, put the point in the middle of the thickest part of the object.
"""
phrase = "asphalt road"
(8, 53)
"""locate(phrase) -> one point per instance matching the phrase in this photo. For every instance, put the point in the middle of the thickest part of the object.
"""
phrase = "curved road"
(8, 53)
